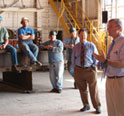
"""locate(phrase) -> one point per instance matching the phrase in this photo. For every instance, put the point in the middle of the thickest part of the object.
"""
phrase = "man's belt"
(83, 67)
(113, 77)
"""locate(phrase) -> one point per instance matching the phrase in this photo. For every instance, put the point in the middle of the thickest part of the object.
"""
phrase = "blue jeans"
(13, 52)
(30, 49)
(56, 74)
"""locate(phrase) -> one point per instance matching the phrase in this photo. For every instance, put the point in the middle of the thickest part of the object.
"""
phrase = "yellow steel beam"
(61, 19)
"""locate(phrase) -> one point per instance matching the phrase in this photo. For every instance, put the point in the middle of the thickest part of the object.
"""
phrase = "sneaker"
(59, 91)
(53, 90)
(98, 110)
(85, 108)
(38, 63)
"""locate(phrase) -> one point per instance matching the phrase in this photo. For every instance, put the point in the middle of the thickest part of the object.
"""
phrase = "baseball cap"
(23, 19)
(1, 18)
(52, 33)
(72, 29)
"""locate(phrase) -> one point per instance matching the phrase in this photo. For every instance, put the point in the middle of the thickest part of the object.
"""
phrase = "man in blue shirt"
(84, 64)
(114, 69)
(55, 56)
(4, 44)
(69, 43)
(26, 37)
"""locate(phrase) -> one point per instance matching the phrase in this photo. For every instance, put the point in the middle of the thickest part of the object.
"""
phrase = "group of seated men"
(25, 43)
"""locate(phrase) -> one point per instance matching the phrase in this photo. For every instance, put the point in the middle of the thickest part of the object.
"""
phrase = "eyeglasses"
(112, 26)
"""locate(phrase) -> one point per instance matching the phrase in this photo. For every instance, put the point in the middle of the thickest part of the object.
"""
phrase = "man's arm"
(27, 37)
(58, 48)
(116, 64)
(68, 46)
(3, 46)
(66, 43)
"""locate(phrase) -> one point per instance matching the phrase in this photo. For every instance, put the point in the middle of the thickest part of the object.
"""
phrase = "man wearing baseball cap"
(69, 43)
(25, 38)
(4, 44)
(56, 60)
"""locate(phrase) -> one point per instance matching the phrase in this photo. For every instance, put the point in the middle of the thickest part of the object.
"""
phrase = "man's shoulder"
(3, 28)
(29, 28)
(121, 41)
(21, 28)
(67, 39)
(58, 41)
(90, 43)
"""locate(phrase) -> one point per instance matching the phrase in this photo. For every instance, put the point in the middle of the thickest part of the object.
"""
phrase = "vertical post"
(76, 12)
(84, 9)
(90, 31)
(116, 8)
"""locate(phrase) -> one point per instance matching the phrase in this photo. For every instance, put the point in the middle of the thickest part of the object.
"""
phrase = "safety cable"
(39, 3)
(23, 4)
(4, 4)
(61, 13)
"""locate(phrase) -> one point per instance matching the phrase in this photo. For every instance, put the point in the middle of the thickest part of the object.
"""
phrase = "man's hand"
(48, 47)
(100, 57)
(3, 46)
(69, 46)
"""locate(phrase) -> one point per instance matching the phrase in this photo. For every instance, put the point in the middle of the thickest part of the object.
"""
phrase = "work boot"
(85, 108)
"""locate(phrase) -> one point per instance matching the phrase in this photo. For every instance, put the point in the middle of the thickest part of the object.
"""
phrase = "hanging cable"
(4, 4)
(23, 4)
(39, 3)
(61, 13)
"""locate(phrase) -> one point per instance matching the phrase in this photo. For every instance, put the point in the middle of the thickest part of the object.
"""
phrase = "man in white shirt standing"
(114, 63)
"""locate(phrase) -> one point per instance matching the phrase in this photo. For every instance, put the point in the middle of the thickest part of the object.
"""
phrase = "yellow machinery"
(70, 14)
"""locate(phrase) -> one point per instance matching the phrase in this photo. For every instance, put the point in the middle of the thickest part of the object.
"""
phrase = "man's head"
(73, 32)
(114, 27)
(52, 35)
(82, 35)
(24, 21)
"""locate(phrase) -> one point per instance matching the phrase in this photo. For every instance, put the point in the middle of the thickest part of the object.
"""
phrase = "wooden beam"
(16, 9)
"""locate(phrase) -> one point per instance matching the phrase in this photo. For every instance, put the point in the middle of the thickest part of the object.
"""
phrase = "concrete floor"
(43, 103)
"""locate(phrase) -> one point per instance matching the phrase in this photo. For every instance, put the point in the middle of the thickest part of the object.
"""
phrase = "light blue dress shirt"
(117, 54)
(89, 59)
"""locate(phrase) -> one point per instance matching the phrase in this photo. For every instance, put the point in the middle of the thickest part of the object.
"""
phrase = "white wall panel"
(91, 9)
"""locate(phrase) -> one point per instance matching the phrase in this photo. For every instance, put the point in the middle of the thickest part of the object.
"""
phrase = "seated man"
(26, 37)
(4, 45)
